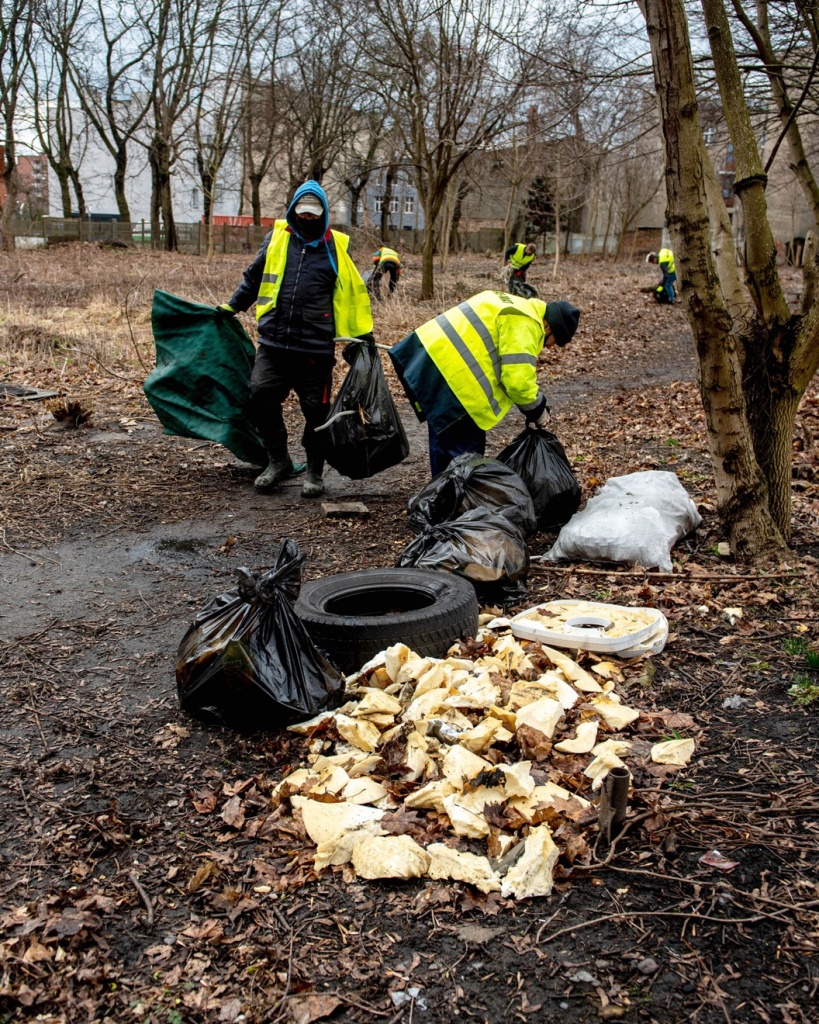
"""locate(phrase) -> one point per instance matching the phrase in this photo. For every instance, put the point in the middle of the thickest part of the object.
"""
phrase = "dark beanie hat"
(563, 318)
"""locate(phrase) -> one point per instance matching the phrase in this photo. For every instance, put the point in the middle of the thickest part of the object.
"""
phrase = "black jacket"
(302, 320)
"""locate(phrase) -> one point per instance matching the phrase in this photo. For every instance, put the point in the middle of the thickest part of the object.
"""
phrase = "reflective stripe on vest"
(471, 361)
(463, 343)
(519, 258)
(389, 254)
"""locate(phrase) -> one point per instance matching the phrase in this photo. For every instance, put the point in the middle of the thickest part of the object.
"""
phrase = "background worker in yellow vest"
(664, 292)
(519, 257)
(464, 370)
(307, 292)
(385, 261)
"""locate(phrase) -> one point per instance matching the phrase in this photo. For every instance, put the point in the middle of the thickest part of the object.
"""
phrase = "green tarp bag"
(200, 385)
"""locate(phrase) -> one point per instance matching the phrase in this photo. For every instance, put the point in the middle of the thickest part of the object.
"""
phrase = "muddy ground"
(123, 898)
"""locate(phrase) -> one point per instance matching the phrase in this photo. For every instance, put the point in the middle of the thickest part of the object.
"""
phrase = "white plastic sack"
(635, 519)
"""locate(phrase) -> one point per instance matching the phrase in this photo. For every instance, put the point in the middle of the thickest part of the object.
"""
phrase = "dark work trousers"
(463, 436)
(275, 374)
(389, 268)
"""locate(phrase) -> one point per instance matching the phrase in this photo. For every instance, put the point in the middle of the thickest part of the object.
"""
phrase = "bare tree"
(754, 363)
(262, 53)
(360, 156)
(454, 78)
(797, 29)
(107, 72)
(52, 102)
(217, 111)
(17, 21)
(322, 90)
(178, 30)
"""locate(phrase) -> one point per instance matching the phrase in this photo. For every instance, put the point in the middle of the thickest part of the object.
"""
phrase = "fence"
(227, 238)
(233, 238)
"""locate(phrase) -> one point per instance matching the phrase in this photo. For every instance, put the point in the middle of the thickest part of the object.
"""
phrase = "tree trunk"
(255, 198)
(428, 261)
(556, 266)
(742, 492)
(386, 203)
(772, 406)
(82, 209)
(156, 201)
(355, 196)
(65, 190)
(120, 171)
(161, 165)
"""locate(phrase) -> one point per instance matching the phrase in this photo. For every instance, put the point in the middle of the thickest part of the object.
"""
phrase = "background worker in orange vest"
(385, 261)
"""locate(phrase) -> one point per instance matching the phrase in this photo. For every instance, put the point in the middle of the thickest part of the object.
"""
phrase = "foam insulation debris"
(479, 768)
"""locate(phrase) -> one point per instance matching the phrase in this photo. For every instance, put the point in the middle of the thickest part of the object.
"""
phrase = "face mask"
(310, 229)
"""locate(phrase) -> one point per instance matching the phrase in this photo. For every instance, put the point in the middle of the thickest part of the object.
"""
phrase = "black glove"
(537, 415)
(543, 420)
(224, 310)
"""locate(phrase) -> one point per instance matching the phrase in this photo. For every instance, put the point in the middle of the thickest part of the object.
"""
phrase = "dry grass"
(83, 305)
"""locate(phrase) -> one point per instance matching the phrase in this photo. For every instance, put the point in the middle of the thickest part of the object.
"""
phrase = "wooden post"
(224, 239)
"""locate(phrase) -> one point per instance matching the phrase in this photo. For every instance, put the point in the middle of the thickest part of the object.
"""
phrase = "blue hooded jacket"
(302, 320)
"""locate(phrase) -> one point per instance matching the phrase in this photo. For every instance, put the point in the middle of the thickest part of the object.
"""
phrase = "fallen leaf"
(204, 800)
(306, 1009)
(233, 813)
(714, 859)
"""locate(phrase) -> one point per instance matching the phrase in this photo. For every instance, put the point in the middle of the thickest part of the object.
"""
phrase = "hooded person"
(307, 292)
(464, 370)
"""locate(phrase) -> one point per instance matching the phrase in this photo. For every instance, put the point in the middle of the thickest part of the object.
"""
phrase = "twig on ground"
(25, 798)
(146, 899)
(130, 329)
(658, 913)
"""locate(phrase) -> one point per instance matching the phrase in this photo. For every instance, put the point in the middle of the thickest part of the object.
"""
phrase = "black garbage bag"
(247, 662)
(522, 289)
(537, 456)
(364, 433)
(482, 545)
(472, 481)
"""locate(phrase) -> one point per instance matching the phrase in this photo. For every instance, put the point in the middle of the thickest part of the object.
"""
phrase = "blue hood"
(314, 189)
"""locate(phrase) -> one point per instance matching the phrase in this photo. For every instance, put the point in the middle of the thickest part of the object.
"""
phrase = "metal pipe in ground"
(614, 802)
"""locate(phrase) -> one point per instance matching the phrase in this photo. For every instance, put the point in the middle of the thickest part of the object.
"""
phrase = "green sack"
(201, 382)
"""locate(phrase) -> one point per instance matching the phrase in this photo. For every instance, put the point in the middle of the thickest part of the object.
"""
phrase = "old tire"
(352, 616)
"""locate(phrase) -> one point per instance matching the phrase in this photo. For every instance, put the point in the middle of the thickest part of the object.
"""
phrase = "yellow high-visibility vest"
(385, 254)
(486, 349)
(520, 258)
(351, 302)
(665, 257)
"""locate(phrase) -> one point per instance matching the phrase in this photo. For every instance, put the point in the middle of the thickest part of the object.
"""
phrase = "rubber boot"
(313, 486)
(277, 470)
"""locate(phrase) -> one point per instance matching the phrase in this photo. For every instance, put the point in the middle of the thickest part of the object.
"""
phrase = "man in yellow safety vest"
(664, 292)
(464, 370)
(519, 257)
(385, 261)
(307, 291)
